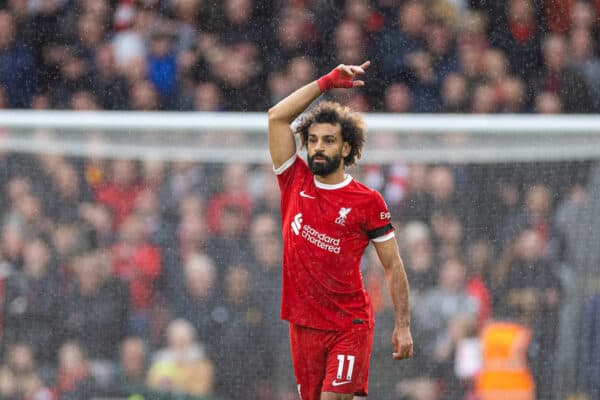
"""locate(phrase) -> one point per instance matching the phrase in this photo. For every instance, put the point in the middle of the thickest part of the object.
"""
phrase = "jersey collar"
(327, 186)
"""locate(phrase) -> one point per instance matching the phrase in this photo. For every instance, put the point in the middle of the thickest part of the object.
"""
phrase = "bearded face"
(322, 165)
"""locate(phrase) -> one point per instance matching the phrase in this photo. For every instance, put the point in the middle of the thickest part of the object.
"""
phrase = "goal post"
(226, 137)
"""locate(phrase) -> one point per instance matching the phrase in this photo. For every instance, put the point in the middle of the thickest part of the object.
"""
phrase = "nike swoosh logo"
(336, 383)
(306, 195)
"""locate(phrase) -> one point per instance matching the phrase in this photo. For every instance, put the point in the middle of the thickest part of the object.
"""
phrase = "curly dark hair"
(352, 124)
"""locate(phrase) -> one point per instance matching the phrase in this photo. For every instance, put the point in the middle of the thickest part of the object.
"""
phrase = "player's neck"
(337, 176)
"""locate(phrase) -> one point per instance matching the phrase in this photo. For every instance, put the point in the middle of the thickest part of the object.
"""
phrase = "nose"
(318, 145)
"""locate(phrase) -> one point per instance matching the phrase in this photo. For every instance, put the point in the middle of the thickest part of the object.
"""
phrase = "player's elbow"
(275, 115)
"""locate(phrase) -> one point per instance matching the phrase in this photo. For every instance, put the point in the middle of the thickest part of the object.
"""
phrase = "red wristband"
(334, 79)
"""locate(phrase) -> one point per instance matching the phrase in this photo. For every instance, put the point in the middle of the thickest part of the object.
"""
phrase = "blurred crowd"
(123, 277)
(162, 279)
(479, 56)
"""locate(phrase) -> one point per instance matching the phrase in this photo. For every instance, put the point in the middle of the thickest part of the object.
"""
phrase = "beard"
(324, 168)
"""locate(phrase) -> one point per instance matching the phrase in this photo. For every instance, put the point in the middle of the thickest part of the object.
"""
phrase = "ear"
(346, 148)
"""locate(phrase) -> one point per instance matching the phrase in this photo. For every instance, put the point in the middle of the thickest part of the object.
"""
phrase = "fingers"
(404, 353)
(353, 70)
(347, 70)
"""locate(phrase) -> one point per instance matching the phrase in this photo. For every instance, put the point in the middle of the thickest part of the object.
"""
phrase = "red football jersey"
(326, 229)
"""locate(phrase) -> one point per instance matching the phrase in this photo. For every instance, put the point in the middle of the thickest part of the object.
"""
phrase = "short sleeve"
(289, 172)
(379, 220)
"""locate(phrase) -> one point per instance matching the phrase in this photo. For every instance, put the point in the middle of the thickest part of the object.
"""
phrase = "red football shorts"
(331, 361)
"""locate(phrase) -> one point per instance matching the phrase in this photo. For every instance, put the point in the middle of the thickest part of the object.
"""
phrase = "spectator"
(195, 297)
(547, 103)
(361, 11)
(208, 97)
(30, 304)
(75, 76)
(182, 366)
(479, 269)
(190, 235)
(147, 208)
(83, 100)
(557, 77)
(130, 373)
(239, 23)
(241, 78)
(8, 384)
(89, 36)
(264, 191)
(144, 97)
(517, 32)
(70, 192)
(98, 222)
(294, 36)
(110, 86)
(23, 367)
(266, 262)
(484, 100)
(495, 69)
(18, 68)
(417, 202)
(442, 188)
(94, 308)
(121, 191)
(440, 39)
(583, 15)
(242, 327)
(397, 98)
(73, 378)
(447, 232)
(536, 215)
(277, 86)
(419, 255)
(396, 43)
(128, 41)
(442, 306)
(470, 64)
(583, 59)
(350, 43)
(228, 215)
(189, 15)
(137, 263)
(454, 93)
(531, 288)
(184, 180)
(300, 70)
(162, 66)
(514, 96)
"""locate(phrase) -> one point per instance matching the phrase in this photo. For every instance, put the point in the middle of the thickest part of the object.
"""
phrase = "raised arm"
(282, 145)
(395, 275)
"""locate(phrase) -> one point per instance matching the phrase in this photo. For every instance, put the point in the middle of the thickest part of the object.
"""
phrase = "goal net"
(173, 218)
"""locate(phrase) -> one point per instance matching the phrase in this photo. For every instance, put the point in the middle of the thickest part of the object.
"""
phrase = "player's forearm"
(399, 289)
(294, 104)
